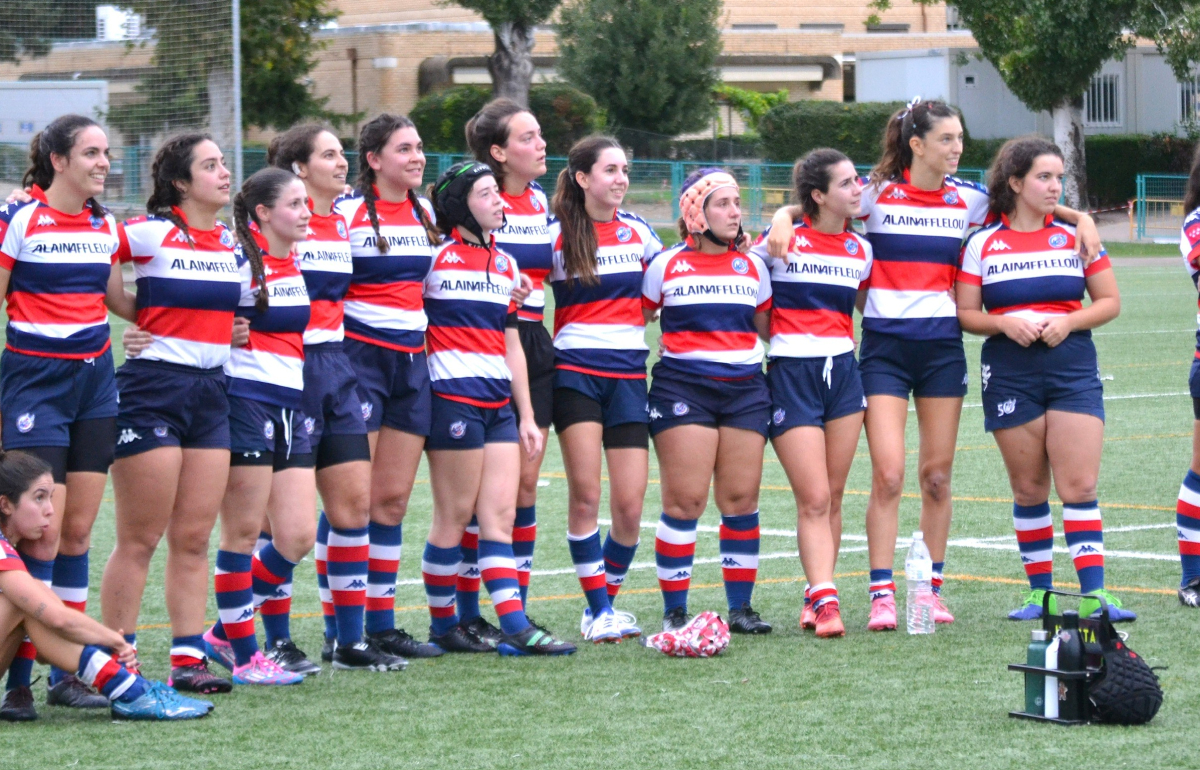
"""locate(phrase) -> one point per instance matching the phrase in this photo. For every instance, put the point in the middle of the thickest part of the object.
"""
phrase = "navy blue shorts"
(813, 391)
(676, 399)
(41, 398)
(330, 404)
(1021, 384)
(265, 434)
(465, 426)
(539, 362)
(621, 400)
(894, 366)
(393, 387)
(164, 404)
(1194, 387)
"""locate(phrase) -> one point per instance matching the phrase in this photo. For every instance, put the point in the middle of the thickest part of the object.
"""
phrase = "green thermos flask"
(1035, 684)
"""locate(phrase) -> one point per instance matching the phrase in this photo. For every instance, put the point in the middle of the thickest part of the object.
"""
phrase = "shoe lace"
(626, 618)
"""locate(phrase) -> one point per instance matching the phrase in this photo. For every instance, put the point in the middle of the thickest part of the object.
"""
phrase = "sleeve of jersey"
(10, 242)
(868, 263)
(1189, 241)
(652, 285)
(978, 204)
(557, 271)
(653, 246)
(759, 247)
(970, 270)
(869, 195)
(1098, 265)
(763, 300)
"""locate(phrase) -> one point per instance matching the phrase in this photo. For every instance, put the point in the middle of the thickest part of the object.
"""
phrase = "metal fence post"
(676, 187)
(1141, 206)
(755, 196)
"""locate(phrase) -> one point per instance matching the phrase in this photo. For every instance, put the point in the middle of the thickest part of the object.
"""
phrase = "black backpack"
(1126, 689)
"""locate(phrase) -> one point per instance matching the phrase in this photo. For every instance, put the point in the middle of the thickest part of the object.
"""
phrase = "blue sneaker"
(1031, 609)
(1090, 608)
(161, 703)
(219, 650)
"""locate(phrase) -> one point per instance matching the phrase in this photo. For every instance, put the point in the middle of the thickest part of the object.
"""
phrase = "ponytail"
(579, 243)
(373, 138)
(58, 138)
(262, 188)
(917, 119)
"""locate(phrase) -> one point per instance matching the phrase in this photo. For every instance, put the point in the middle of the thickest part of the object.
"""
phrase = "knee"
(1081, 490)
(190, 545)
(390, 509)
(888, 482)
(935, 484)
(1029, 493)
(295, 545)
(585, 501)
(813, 507)
(687, 508)
(351, 513)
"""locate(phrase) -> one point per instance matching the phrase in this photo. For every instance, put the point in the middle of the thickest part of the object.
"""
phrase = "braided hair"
(373, 138)
(58, 138)
(262, 188)
(173, 163)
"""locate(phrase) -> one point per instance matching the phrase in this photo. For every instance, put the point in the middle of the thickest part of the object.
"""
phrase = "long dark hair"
(812, 172)
(295, 145)
(490, 127)
(1015, 158)
(579, 242)
(18, 471)
(915, 120)
(173, 163)
(373, 138)
(1192, 199)
(58, 138)
(262, 188)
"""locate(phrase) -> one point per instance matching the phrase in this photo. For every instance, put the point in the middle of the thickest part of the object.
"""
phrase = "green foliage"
(498, 12)
(751, 104)
(566, 115)
(277, 55)
(1115, 160)
(792, 129)
(650, 64)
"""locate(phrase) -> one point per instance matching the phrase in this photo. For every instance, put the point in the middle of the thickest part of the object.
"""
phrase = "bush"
(790, 130)
(566, 114)
(1115, 160)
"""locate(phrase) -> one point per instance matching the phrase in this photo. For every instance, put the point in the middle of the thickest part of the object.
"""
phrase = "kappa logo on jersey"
(458, 429)
(740, 266)
(898, 194)
(25, 422)
(128, 436)
(683, 266)
(309, 425)
(1058, 240)
(655, 414)
(1006, 407)
(452, 259)
(161, 431)
(501, 263)
(802, 243)
(950, 198)
(341, 229)
(179, 237)
(779, 416)
(366, 408)
(269, 430)
(851, 246)
(680, 409)
(624, 233)
(226, 239)
(999, 245)
(985, 374)
(45, 220)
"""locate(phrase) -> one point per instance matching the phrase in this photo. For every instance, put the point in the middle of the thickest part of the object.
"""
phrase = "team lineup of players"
(329, 339)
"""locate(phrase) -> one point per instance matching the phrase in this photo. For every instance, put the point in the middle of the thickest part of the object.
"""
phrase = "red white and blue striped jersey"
(383, 304)
(526, 236)
(327, 266)
(186, 293)
(917, 237)
(468, 296)
(708, 303)
(1033, 275)
(9, 558)
(599, 329)
(270, 367)
(812, 313)
(60, 266)
(1189, 246)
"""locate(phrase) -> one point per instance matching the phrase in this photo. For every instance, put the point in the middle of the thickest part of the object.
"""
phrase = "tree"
(512, 22)
(28, 27)
(191, 84)
(651, 64)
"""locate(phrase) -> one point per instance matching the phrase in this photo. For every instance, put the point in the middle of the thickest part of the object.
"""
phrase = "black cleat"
(676, 619)
(365, 656)
(327, 649)
(459, 639)
(537, 625)
(483, 631)
(398, 642)
(531, 641)
(73, 693)
(197, 678)
(17, 705)
(291, 658)
(1189, 595)
(744, 620)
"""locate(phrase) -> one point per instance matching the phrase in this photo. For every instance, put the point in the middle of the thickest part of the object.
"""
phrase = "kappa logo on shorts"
(985, 374)
(25, 422)
(740, 266)
(128, 436)
(1057, 241)
(1006, 407)
(341, 229)
(655, 414)
(680, 409)
(458, 429)
(367, 408)
(161, 431)
(309, 425)
(779, 416)
(624, 234)
(851, 246)
(965, 378)
(269, 430)
(864, 403)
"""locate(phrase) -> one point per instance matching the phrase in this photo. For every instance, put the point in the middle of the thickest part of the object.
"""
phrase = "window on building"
(1102, 101)
(1189, 100)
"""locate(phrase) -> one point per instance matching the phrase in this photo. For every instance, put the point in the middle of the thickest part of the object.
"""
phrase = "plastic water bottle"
(918, 574)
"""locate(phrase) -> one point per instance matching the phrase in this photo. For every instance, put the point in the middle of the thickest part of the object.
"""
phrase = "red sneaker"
(829, 621)
(808, 617)
(883, 614)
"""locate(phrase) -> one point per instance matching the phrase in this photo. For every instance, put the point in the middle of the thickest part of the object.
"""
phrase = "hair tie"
(909, 108)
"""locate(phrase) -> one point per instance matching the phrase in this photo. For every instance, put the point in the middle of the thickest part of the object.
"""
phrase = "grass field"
(782, 701)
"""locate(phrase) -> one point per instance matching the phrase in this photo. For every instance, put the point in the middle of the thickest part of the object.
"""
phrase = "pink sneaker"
(219, 650)
(260, 670)
(940, 613)
(883, 614)
(808, 618)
